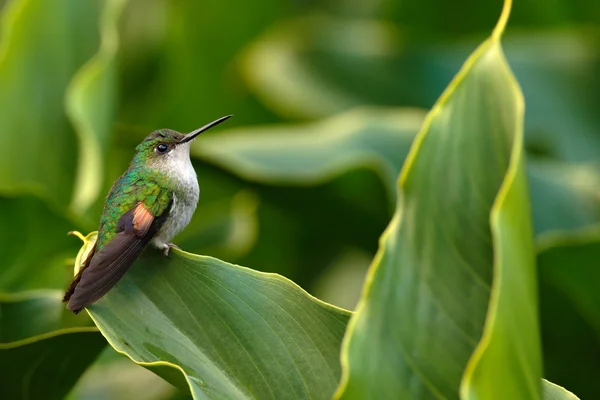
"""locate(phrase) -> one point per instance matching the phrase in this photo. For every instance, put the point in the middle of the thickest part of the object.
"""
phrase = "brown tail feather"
(106, 268)
(71, 289)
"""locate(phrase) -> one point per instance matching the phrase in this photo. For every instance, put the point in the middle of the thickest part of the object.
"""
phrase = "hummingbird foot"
(168, 247)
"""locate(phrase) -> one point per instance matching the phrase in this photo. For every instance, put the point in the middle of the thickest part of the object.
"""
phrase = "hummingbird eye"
(161, 148)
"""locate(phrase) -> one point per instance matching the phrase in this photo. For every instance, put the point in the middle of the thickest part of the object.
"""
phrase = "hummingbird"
(150, 203)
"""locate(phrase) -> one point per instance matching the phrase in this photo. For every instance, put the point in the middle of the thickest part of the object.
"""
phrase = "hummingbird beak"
(193, 134)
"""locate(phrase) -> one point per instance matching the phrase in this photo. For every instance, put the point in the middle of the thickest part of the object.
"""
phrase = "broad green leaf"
(44, 349)
(564, 196)
(311, 153)
(232, 332)
(91, 104)
(570, 309)
(455, 270)
(34, 73)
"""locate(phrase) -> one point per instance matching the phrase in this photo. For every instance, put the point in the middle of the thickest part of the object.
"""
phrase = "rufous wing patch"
(142, 219)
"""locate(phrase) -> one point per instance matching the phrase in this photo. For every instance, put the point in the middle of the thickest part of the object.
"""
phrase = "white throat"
(178, 166)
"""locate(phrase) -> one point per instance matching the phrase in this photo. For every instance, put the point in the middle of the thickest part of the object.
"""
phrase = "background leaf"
(563, 196)
(43, 155)
(26, 59)
(315, 152)
(91, 106)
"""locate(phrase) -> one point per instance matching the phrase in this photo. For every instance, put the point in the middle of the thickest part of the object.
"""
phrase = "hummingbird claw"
(168, 247)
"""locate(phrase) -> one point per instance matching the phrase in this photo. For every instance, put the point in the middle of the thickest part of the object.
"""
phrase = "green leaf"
(455, 268)
(311, 153)
(564, 196)
(34, 74)
(91, 106)
(44, 349)
(232, 332)
(342, 62)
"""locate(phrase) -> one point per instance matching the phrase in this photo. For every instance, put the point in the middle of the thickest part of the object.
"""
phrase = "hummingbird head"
(165, 148)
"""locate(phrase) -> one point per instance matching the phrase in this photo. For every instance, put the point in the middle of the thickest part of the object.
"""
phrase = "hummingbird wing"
(103, 269)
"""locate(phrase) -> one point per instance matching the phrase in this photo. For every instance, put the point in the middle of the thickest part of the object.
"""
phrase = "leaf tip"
(78, 234)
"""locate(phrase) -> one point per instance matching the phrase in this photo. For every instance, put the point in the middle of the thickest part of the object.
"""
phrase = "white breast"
(185, 195)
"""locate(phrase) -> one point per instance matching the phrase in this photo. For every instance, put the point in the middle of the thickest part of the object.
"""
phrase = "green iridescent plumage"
(139, 183)
(135, 186)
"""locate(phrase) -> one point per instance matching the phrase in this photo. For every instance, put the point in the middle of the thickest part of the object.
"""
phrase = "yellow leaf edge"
(19, 296)
(48, 335)
(568, 238)
(516, 162)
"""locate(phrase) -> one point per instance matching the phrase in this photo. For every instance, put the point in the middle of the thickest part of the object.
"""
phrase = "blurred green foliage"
(327, 96)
